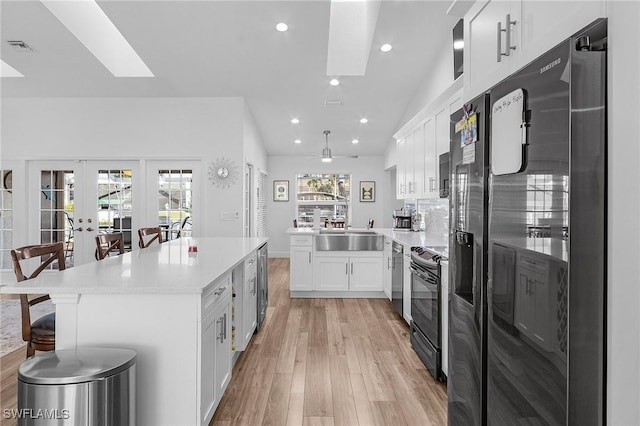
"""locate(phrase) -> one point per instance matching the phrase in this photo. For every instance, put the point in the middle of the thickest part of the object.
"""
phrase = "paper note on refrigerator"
(508, 133)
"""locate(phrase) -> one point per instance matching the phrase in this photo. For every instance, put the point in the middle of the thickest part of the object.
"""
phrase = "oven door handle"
(418, 273)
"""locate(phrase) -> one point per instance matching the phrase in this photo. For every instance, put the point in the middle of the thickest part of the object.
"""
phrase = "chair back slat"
(107, 243)
(156, 234)
(55, 252)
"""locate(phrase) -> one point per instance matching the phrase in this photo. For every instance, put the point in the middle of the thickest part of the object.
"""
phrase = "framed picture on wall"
(280, 190)
(367, 191)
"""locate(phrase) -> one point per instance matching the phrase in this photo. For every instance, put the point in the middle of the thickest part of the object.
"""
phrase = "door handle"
(309, 257)
(219, 336)
(224, 326)
(90, 229)
(79, 229)
(346, 269)
(507, 38)
(351, 268)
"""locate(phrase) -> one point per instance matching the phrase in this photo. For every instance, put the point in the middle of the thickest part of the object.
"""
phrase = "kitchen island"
(171, 306)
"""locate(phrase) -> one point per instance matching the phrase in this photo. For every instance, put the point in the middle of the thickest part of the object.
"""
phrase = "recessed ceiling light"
(334, 82)
(93, 28)
(282, 27)
(458, 44)
(295, 121)
(355, 141)
(386, 47)
(364, 121)
(297, 141)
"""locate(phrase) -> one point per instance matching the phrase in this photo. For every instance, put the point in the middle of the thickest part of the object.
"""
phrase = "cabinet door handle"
(499, 43)
(219, 291)
(507, 38)
(309, 257)
(351, 268)
(388, 263)
(219, 336)
(346, 268)
(224, 326)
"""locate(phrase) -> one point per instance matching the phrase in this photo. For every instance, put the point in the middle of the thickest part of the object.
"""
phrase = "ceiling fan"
(326, 152)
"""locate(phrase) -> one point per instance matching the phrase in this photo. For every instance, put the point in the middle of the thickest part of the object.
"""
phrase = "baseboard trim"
(278, 254)
(337, 295)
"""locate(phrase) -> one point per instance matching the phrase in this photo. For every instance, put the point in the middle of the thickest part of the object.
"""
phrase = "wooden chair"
(108, 243)
(154, 233)
(41, 334)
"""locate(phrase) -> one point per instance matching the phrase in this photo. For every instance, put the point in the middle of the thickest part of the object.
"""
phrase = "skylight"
(89, 24)
(7, 70)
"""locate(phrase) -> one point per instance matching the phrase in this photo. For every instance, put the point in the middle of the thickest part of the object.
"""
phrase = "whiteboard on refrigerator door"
(508, 133)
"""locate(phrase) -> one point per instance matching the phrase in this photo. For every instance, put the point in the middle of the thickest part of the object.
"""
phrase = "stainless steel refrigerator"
(528, 243)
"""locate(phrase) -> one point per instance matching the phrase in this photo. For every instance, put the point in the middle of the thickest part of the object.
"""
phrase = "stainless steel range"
(425, 308)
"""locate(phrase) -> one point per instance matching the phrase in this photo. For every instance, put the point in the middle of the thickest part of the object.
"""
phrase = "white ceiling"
(231, 48)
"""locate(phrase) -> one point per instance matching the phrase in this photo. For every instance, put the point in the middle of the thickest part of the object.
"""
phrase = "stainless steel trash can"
(82, 386)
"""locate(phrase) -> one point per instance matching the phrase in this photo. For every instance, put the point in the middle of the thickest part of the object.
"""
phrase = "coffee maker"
(402, 219)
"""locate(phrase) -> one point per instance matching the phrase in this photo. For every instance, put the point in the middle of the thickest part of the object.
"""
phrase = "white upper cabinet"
(430, 158)
(487, 58)
(420, 143)
(400, 169)
(419, 164)
(502, 36)
(547, 23)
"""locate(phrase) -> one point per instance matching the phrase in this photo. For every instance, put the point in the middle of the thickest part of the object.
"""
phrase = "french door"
(76, 200)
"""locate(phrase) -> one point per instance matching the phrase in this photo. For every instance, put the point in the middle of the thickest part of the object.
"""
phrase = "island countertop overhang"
(167, 268)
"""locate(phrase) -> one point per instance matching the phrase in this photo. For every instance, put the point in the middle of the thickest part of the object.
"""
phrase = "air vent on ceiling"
(20, 46)
(332, 103)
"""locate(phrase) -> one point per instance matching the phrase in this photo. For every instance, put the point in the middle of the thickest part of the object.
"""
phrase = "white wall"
(203, 129)
(439, 78)
(280, 215)
(623, 340)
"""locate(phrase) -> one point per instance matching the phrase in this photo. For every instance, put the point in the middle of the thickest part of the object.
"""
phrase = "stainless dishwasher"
(397, 263)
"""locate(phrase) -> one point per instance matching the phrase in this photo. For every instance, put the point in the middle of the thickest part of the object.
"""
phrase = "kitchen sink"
(349, 241)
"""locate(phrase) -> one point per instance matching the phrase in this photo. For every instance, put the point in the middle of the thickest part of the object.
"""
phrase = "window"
(331, 193)
(115, 203)
(175, 212)
(6, 220)
(57, 200)
(547, 205)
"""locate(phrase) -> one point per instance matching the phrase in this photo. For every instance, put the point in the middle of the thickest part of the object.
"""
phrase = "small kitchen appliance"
(402, 219)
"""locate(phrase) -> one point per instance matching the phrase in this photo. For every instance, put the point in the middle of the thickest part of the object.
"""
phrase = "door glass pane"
(56, 210)
(6, 219)
(114, 203)
(175, 202)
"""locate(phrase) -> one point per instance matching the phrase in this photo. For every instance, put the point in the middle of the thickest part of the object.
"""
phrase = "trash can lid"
(78, 365)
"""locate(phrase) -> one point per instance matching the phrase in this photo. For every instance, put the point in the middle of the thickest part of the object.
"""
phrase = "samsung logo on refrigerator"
(551, 65)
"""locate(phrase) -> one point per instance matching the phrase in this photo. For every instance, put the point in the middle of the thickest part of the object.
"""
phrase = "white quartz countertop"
(405, 237)
(165, 268)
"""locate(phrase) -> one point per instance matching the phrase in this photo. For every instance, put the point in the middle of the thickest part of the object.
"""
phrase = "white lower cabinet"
(215, 346)
(301, 263)
(348, 272)
(250, 299)
(366, 274)
(387, 267)
(331, 273)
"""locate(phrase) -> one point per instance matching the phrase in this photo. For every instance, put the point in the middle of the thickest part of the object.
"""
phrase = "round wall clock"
(223, 173)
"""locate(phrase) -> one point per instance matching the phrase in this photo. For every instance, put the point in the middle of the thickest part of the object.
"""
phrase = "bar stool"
(108, 243)
(41, 334)
(153, 233)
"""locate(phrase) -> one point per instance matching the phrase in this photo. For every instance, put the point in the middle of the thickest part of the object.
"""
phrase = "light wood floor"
(316, 362)
(330, 362)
